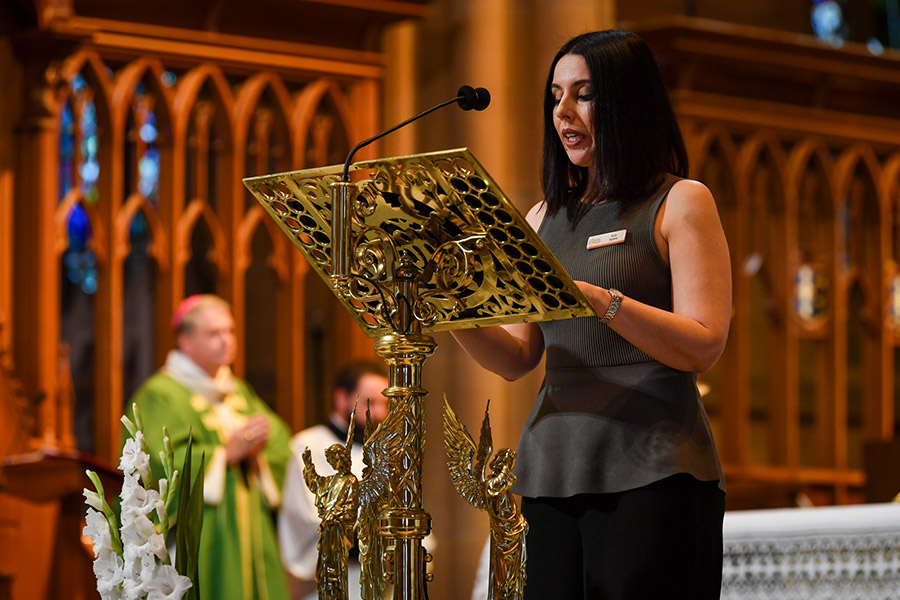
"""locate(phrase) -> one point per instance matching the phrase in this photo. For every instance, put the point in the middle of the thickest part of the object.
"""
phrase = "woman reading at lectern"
(620, 481)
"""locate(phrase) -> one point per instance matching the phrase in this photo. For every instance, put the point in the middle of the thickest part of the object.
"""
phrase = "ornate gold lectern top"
(440, 216)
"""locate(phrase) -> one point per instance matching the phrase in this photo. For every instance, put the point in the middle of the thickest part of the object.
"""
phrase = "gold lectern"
(413, 245)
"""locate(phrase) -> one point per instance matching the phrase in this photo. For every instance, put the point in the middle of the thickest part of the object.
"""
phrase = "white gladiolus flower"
(137, 532)
(133, 589)
(136, 568)
(157, 545)
(149, 568)
(168, 584)
(136, 499)
(97, 527)
(108, 568)
(161, 510)
(134, 458)
(93, 499)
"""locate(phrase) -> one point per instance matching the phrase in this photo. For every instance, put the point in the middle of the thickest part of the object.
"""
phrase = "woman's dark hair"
(636, 135)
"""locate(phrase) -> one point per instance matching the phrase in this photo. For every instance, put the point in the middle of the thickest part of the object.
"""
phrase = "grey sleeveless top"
(609, 417)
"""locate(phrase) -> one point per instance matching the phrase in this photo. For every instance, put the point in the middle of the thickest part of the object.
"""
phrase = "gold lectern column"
(404, 524)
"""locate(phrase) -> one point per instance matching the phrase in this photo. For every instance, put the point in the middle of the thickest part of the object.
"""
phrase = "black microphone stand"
(467, 97)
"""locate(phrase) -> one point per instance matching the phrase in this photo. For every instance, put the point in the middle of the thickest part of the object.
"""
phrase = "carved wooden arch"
(97, 243)
(890, 183)
(705, 140)
(255, 217)
(872, 290)
(188, 90)
(125, 83)
(845, 167)
(812, 148)
(198, 209)
(190, 86)
(305, 109)
(122, 244)
(809, 150)
(89, 63)
(753, 148)
(94, 71)
(248, 97)
(762, 143)
(890, 191)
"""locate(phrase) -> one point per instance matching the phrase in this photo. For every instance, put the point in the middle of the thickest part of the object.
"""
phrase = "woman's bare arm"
(693, 335)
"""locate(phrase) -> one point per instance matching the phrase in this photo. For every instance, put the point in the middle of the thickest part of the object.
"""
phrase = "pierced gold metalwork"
(475, 260)
(413, 245)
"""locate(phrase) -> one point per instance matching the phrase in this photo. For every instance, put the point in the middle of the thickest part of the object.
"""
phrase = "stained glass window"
(88, 167)
(78, 165)
(147, 149)
(828, 22)
(67, 131)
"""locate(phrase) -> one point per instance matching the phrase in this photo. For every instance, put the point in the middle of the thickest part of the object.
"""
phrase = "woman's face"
(572, 116)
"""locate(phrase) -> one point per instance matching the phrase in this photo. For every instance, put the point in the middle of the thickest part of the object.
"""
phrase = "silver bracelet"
(617, 298)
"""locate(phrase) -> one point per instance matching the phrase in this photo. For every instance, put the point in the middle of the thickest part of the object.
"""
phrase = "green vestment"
(239, 558)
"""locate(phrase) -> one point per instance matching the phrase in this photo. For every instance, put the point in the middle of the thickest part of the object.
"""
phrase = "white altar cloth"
(826, 553)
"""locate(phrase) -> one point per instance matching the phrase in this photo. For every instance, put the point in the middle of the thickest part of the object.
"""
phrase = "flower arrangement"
(132, 562)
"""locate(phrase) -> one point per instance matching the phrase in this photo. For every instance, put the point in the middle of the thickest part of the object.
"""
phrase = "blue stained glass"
(90, 145)
(78, 228)
(78, 83)
(139, 229)
(66, 150)
(148, 164)
(89, 283)
(79, 141)
(90, 168)
(78, 260)
(148, 129)
(828, 22)
(168, 79)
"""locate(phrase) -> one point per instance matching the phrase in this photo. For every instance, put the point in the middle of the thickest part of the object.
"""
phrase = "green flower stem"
(111, 520)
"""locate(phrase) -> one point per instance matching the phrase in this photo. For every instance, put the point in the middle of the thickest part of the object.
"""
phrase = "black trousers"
(661, 541)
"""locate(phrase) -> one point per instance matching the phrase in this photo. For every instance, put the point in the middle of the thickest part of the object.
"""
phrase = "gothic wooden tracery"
(808, 196)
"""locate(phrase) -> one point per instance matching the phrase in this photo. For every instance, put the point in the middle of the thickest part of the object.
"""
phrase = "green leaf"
(190, 522)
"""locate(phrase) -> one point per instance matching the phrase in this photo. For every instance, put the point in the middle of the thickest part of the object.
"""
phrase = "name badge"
(605, 239)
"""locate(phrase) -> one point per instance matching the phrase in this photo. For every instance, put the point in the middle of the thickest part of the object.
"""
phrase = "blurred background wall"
(125, 129)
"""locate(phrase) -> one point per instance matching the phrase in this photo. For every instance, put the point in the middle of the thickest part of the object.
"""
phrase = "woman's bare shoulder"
(536, 214)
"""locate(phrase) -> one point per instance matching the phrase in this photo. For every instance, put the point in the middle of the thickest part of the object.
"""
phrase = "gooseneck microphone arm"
(468, 98)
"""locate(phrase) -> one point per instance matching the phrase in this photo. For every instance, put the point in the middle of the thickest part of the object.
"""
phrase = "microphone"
(467, 97)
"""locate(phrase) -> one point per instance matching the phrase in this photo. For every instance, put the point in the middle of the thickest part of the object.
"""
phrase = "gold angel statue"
(338, 501)
(490, 492)
(379, 449)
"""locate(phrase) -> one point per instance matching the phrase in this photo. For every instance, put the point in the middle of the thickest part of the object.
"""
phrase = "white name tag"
(605, 239)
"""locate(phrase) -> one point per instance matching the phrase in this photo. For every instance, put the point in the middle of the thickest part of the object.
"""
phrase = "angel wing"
(380, 448)
(485, 444)
(460, 454)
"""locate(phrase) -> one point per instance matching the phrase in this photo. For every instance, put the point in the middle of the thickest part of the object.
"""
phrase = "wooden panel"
(831, 385)
(223, 106)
